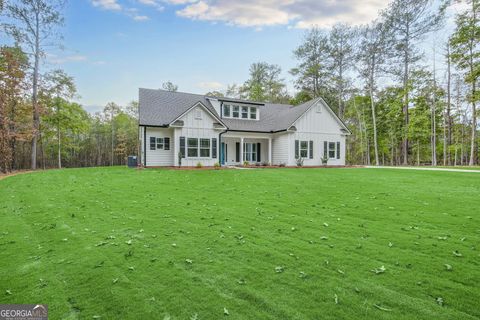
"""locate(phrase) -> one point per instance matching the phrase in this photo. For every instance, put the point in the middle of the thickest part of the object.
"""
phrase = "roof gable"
(162, 108)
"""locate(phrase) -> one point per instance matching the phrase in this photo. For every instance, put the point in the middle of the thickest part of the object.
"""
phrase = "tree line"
(376, 77)
(379, 79)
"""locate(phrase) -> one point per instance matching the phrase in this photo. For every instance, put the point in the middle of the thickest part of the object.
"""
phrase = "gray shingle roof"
(160, 107)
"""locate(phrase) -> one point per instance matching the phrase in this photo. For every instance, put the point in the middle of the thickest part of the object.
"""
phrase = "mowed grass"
(119, 243)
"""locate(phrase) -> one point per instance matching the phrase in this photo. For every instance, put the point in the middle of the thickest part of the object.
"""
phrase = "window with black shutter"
(182, 146)
(153, 143)
(310, 151)
(325, 149)
(258, 152)
(338, 150)
(297, 149)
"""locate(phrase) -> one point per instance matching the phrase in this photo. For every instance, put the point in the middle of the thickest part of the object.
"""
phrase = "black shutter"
(214, 148)
(258, 152)
(153, 143)
(297, 147)
(311, 150)
(338, 150)
(166, 143)
(325, 149)
(237, 149)
(182, 146)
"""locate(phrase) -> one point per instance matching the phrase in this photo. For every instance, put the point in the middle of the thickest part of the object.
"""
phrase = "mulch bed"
(249, 167)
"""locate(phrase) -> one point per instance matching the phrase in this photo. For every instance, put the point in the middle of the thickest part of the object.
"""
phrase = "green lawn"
(264, 244)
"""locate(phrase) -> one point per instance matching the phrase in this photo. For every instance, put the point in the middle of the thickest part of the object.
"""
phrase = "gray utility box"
(132, 161)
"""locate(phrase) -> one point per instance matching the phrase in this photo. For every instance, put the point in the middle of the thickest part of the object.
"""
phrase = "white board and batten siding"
(197, 123)
(318, 124)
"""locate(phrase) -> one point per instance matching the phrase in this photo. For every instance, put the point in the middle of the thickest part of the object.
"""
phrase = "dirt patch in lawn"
(13, 173)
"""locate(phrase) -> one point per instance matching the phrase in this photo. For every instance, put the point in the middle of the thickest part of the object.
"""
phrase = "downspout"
(145, 146)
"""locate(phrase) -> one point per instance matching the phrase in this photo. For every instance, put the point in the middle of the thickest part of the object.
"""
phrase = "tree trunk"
(36, 113)
(375, 140)
(448, 116)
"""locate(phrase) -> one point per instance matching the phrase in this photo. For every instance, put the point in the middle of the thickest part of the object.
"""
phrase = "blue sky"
(113, 47)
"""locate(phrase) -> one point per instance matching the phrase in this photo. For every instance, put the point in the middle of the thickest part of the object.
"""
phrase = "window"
(331, 150)
(198, 113)
(303, 149)
(244, 112)
(205, 148)
(253, 113)
(236, 112)
(152, 143)
(199, 147)
(192, 147)
(226, 110)
(159, 143)
(250, 152)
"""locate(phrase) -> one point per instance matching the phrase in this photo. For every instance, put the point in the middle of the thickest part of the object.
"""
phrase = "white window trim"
(240, 106)
(300, 149)
(198, 148)
(334, 150)
(253, 144)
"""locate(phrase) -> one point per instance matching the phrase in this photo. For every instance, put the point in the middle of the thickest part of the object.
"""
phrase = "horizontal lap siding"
(159, 157)
(280, 145)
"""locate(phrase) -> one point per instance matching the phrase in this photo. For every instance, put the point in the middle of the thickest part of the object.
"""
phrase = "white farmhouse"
(185, 129)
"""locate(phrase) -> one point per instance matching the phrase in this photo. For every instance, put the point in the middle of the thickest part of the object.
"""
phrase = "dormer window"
(244, 112)
(240, 112)
(226, 111)
(253, 113)
(236, 112)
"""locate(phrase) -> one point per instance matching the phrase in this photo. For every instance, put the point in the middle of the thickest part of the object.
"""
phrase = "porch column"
(241, 150)
(270, 151)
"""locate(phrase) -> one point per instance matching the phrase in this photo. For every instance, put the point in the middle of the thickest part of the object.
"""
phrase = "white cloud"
(300, 13)
(107, 4)
(210, 85)
(152, 3)
(65, 59)
(140, 18)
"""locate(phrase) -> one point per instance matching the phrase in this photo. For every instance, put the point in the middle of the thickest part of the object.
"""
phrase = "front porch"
(236, 148)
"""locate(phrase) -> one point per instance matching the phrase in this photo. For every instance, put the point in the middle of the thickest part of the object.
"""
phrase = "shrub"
(299, 162)
(179, 159)
(324, 160)
(199, 165)
(283, 164)
(246, 163)
(216, 165)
